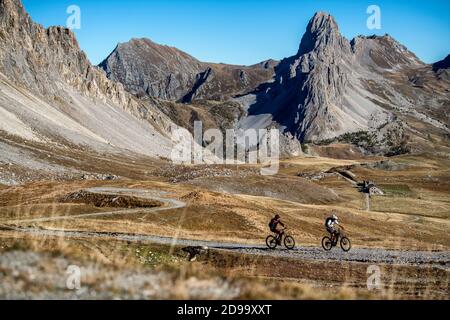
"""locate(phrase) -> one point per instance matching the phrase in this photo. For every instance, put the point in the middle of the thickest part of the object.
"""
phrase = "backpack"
(271, 224)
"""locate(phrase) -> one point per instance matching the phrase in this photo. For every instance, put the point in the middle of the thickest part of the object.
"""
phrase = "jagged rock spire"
(322, 33)
(314, 97)
(12, 13)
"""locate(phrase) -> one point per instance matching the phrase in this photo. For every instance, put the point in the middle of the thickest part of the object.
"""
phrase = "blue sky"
(245, 31)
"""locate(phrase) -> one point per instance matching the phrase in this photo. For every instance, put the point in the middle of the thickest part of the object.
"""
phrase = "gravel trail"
(440, 259)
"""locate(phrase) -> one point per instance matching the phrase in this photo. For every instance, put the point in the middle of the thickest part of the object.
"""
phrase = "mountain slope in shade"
(443, 64)
(147, 68)
(50, 93)
(442, 68)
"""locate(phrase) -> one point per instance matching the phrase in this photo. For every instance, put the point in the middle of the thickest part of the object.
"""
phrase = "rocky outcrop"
(331, 88)
(149, 69)
(334, 89)
(39, 58)
(50, 92)
(316, 94)
(146, 68)
(443, 64)
(382, 53)
(442, 69)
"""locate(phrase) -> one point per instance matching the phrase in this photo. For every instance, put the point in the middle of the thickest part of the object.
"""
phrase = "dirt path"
(382, 256)
(169, 204)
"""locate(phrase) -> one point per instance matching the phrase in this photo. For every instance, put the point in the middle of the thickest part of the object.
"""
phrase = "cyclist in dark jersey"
(273, 225)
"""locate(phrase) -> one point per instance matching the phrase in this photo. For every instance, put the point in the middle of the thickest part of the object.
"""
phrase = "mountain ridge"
(53, 94)
(323, 92)
(331, 89)
(161, 71)
(334, 87)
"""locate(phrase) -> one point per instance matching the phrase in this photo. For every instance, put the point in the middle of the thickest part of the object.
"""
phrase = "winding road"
(439, 259)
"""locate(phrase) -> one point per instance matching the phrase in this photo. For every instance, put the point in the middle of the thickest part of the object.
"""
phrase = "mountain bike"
(345, 243)
(273, 241)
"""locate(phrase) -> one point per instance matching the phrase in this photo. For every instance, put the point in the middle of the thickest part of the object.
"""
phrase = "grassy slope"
(413, 215)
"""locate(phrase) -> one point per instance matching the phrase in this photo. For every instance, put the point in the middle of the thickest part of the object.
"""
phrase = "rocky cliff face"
(442, 68)
(331, 89)
(443, 64)
(334, 88)
(316, 94)
(370, 91)
(39, 58)
(49, 91)
(146, 68)
(382, 53)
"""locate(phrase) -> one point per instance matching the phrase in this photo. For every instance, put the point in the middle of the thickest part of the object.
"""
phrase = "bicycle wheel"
(289, 242)
(327, 244)
(271, 242)
(346, 245)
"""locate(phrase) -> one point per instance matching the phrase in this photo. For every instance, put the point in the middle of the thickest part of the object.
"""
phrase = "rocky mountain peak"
(53, 93)
(322, 22)
(443, 64)
(43, 59)
(19, 29)
(322, 32)
(316, 95)
(10, 8)
(442, 69)
(146, 68)
(13, 16)
(383, 53)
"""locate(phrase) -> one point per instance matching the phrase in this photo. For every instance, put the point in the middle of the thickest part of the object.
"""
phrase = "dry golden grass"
(416, 220)
(257, 277)
(413, 215)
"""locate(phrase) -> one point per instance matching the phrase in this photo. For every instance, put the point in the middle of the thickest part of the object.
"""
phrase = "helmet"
(277, 216)
(335, 217)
